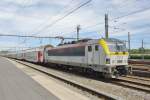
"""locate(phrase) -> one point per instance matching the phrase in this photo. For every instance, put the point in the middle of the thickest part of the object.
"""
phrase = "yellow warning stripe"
(105, 47)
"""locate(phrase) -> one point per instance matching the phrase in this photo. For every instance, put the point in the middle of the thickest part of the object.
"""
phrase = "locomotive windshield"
(115, 47)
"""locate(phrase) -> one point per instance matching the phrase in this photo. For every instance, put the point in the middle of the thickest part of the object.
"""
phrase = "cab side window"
(96, 47)
(89, 48)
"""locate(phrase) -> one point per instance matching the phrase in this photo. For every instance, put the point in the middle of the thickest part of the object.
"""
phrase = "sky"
(36, 17)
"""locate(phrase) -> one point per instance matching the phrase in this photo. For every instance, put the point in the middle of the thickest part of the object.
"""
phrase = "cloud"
(31, 16)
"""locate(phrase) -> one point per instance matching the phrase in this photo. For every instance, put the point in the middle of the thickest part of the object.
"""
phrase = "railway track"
(131, 61)
(140, 73)
(141, 70)
(139, 78)
(92, 91)
(136, 84)
(137, 81)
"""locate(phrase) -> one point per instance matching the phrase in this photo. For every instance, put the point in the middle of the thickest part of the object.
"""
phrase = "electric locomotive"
(107, 56)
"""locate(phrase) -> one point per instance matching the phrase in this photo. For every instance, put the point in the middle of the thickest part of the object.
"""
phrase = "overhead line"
(44, 22)
(64, 16)
(66, 6)
(30, 36)
(53, 23)
(132, 13)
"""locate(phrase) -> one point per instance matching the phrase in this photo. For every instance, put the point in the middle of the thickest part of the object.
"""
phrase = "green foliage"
(139, 51)
(139, 57)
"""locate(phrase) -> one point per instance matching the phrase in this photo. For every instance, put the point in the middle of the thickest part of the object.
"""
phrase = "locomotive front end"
(116, 57)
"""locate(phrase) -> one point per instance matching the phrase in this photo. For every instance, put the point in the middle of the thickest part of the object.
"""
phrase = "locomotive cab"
(116, 56)
(108, 56)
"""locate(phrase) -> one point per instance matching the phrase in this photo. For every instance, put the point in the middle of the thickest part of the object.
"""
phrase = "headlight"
(107, 61)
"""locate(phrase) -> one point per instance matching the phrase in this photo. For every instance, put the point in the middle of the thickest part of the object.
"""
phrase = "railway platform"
(16, 85)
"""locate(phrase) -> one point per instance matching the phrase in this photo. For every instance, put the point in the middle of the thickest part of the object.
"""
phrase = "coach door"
(40, 56)
(90, 54)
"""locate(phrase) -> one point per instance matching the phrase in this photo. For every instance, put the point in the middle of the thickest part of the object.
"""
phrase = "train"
(108, 56)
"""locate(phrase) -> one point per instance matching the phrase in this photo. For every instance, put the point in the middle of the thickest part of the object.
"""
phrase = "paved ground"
(16, 85)
(60, 89)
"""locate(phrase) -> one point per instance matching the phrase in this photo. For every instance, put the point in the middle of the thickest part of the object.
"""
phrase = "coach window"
(96, 47)
(89, 48)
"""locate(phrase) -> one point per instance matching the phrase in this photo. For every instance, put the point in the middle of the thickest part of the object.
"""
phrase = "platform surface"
(16, 85)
